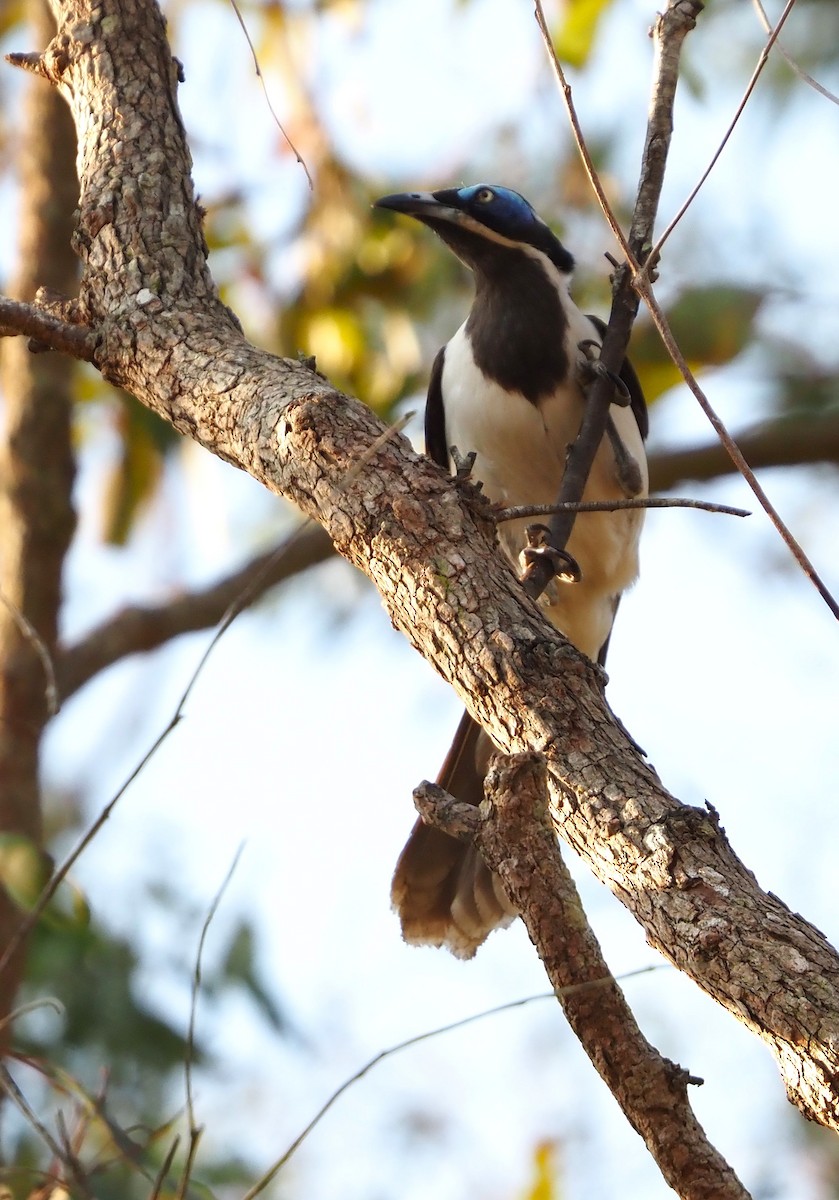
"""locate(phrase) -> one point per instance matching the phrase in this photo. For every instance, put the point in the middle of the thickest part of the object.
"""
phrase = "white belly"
(521, 451)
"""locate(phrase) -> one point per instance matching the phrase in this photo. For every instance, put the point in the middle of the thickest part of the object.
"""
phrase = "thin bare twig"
(160, 1178)
(276, 1167)
(579, 137)
(790, 61)
(32, 1006)
(17, 1097)
(761, 63)
(8, 1085)
(61, 872)
(32, 917)
(71, 1144)
(587, 506)
(261, 79)
(195, 1130)
(671, 28)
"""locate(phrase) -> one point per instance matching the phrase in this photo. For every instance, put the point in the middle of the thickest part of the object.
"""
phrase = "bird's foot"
(471, 489)
(463, 466)
(590, 369)
(539, 557)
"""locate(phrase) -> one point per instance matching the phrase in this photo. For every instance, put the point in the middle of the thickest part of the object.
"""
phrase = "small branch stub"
(32, 62)
(441, 810)
(46, 330)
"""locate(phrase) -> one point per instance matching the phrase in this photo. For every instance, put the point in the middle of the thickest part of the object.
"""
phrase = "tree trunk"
(36, 475)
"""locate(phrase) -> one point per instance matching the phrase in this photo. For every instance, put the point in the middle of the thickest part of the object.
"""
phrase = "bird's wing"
(435, 418)
(633, 385)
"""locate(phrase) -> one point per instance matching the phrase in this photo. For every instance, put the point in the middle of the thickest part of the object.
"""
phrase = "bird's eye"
(485, 195)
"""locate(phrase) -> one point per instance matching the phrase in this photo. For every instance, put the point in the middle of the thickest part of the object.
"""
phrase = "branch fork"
(513, 829)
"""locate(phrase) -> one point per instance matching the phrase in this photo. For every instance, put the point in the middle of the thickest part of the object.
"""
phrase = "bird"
(509, 387)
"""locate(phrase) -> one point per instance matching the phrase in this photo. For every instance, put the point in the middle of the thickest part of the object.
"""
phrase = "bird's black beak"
(440, 212)
(412, 204)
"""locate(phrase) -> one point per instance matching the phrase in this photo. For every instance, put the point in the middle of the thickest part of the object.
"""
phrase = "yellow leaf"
(14, 13)
(575, 38)
(335, 338)
(545, 1185)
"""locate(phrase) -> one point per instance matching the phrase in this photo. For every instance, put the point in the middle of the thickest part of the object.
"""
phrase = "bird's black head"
(472, 220)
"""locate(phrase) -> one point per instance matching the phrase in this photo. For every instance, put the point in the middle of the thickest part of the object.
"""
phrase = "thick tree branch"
(517, 840)
(166, 337)
(784, 442)
(137, 629)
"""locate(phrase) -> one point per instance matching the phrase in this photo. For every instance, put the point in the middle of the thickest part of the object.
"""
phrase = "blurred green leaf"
(240, 967)
(711, 325)
(805, 388)
(24, 869)
(92, 973)
(133, 478)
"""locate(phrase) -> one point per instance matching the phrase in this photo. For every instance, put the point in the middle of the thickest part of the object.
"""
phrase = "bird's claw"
(591, 368)
(564, 567)
(463, 466)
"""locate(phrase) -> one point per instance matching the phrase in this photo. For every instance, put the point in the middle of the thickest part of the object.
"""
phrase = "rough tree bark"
(160, 332)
